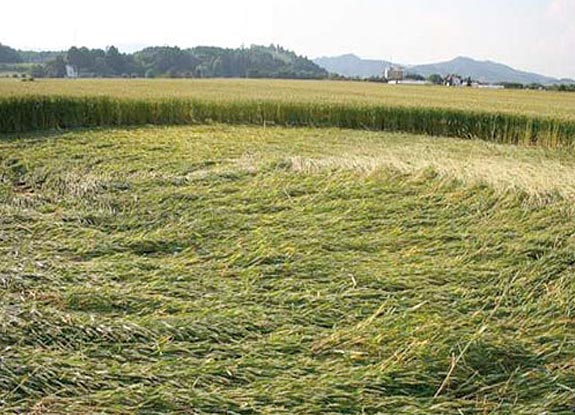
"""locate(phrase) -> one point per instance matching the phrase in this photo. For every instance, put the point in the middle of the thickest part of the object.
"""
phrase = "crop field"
(238, 269)
(532, 118)
(530, 103)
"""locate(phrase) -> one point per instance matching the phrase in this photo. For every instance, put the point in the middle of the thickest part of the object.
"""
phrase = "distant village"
(398, 75)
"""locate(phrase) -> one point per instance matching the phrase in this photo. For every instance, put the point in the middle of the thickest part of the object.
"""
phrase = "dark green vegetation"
(25, 113)
(9, 55)
(199, 62)
(15, 69)
(37, 57)
(208, 270)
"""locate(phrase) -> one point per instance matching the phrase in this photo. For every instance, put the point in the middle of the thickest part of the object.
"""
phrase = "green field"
(249, 270)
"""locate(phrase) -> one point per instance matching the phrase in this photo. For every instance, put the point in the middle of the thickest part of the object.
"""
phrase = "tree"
(9, 55)
(38, 71)
(75, 57)
(85, 60)
(415, 77)
(150, 73)
(101, 67)
(56, 68)
(209, 62)
(512, 85)
(435, 79)
(115, 61)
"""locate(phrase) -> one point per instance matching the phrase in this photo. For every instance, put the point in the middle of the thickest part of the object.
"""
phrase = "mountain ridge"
(486, 71)
(352, 66)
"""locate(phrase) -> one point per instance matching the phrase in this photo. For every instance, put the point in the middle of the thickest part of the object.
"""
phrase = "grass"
(222, 269)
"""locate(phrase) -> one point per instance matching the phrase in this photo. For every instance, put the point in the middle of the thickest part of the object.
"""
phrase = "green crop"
(243, 270)
(19, 114)
(526, 117)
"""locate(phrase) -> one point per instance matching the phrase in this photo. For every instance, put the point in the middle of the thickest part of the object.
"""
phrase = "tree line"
(199, 62)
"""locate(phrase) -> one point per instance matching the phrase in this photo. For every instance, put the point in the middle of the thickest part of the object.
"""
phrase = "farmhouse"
(453, 80)
(71, 71)
(394, 73)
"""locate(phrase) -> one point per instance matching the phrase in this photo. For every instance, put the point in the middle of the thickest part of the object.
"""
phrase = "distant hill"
(199, 62)
(484, 71)
(352, 66)
(9, 55)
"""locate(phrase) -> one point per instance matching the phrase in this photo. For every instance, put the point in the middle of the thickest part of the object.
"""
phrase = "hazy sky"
(536, 35)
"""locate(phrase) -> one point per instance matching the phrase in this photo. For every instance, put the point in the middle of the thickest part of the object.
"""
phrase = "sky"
(534, 35)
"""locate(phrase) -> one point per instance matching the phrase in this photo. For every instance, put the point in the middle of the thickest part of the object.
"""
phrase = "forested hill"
(9, 55)
(199, 62)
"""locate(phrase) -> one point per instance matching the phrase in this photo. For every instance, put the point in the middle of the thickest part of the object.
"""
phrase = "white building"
(453, 80)
(71, 72)
(412, 82)
(490, 86)
(394, 73)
